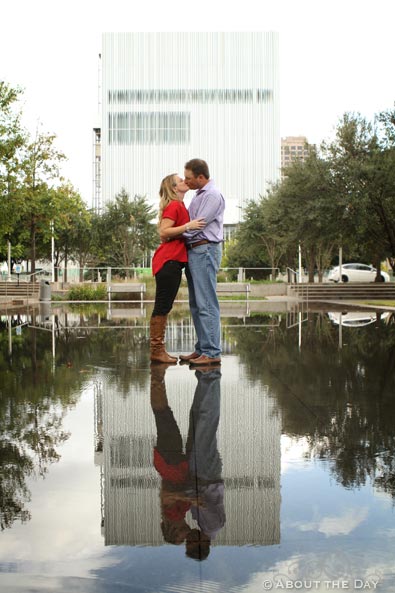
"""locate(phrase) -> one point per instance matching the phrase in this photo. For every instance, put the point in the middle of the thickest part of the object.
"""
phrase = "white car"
(356, 273)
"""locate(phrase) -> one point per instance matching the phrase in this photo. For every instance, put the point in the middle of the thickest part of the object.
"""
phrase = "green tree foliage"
(246, 249)
(307, 209)
(341, 195)
(125, 234)
(41, 170)
(12, 140)
(71, 227)
(363, 159)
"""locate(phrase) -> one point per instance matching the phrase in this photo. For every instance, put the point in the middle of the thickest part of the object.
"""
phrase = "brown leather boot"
(157, 339)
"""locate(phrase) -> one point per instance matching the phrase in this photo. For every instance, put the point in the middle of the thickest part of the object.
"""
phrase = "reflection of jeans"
(204, 459)
(201, 272)
(205, 463)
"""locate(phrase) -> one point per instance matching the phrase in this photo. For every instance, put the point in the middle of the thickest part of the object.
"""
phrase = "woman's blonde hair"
(167, 193)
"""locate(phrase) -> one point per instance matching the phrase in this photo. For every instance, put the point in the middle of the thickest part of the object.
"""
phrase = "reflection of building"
(248, 441)
(169, 97)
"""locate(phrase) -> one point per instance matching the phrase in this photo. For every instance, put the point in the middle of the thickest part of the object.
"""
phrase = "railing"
(25, 277)
(75, 274)
(292, 276)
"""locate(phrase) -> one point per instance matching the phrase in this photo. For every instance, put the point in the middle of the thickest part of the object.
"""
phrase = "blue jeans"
(201, 272)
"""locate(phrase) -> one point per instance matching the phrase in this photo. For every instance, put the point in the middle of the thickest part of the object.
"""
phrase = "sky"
(335, 56)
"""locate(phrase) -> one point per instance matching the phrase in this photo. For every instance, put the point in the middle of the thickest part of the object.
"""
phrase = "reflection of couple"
(197, 245)
(191, 480)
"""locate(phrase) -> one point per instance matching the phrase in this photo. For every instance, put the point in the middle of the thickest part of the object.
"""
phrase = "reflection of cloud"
(292, 450)
(390, 532)
(316, 571)
(337, 525)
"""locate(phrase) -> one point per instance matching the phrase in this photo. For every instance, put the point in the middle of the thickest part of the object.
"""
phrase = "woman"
(169, 259)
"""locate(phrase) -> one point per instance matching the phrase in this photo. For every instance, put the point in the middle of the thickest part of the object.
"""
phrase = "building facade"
(293, 148)
(170, 97)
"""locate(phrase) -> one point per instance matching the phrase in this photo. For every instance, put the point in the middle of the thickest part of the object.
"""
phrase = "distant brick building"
(292, 148)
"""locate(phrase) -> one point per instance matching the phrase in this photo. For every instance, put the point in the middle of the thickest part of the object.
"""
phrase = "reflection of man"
(190, 480)
(205, 464)
(204, 259)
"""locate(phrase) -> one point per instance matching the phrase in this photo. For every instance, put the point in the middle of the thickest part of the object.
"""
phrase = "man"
(204, 258)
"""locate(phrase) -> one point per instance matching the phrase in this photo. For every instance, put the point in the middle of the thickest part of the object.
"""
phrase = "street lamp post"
(300, 262)
(340, 263)
(52, 252)
(9, 260)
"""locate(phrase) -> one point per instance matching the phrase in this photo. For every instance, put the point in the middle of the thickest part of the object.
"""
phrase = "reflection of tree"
(36, 391)
(30, 434)
(33, 401)
(341, 400)
(85, 341)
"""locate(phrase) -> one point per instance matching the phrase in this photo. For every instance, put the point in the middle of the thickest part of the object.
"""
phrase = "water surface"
(273, 471)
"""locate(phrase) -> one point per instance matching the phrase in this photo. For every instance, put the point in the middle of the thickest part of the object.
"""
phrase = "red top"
(174, 249)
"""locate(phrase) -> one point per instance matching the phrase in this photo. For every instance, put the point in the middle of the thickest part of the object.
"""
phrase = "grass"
(381, 303)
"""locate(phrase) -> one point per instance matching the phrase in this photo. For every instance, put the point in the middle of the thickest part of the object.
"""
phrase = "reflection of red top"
(174, 249)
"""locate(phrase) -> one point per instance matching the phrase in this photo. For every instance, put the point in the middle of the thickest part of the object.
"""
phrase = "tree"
(341, 195)
(303, 209)
(310, 209)
(126, 234)
(258, 241)
(363, 162)
(71, 227)
(12, 141)
(41, 169)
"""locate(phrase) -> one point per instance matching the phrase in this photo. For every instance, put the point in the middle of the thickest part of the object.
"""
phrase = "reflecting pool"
(272, 471)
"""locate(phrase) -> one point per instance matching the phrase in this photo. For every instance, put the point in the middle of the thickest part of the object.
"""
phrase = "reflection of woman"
(169, 259)
(191, 480)
(170, 462)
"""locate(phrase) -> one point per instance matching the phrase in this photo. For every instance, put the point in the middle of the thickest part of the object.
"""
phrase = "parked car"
(356, 273)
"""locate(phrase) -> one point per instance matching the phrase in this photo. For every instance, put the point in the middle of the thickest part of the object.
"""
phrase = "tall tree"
(71, 226)
(41, 172)
(12, 141)
(126, 233)
(310, 210)
(363, 165)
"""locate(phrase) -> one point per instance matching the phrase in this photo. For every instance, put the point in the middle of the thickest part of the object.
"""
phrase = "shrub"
(87, 293)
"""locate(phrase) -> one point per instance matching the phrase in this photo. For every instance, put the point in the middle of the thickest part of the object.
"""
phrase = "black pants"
(168, 281)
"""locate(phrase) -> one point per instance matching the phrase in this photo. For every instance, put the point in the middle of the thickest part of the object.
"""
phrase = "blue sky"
(335, 56)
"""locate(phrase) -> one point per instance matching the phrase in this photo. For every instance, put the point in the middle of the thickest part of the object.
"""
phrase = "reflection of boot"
(158, 386)
(157, 339)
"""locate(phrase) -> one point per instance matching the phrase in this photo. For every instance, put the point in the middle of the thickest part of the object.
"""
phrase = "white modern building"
(170, 97)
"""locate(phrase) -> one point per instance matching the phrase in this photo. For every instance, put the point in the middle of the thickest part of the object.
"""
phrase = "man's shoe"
(204, 360)
(188, 357)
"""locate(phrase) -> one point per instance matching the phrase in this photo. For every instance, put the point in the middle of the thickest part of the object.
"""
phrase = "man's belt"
(202, 242)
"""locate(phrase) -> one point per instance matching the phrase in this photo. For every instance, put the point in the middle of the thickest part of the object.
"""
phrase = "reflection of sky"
(341, 524)
(320, 520)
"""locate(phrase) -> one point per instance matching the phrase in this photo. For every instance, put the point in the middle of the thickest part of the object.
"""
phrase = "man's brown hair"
(198, 167)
